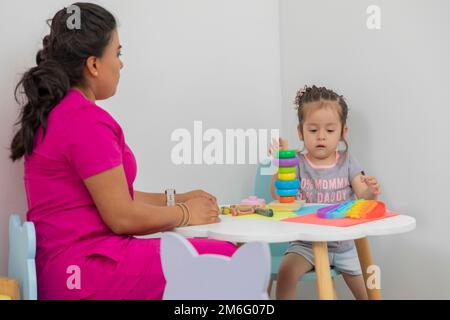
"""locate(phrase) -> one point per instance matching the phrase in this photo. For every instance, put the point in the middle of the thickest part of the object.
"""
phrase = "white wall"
(218, 61)
(215, 61)
(396, 82)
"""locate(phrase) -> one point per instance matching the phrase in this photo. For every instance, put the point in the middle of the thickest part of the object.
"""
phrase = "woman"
(79, 173)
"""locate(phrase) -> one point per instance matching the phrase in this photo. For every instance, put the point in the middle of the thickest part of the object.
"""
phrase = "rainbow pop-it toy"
(354, 209)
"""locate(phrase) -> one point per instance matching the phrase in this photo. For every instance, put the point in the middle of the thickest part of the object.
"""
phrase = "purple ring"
(288, 162)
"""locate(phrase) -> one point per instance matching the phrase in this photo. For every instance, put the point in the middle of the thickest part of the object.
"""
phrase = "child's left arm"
(366, 187)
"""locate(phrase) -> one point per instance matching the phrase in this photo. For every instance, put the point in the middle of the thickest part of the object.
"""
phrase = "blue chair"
(262, 190)
(22, 252)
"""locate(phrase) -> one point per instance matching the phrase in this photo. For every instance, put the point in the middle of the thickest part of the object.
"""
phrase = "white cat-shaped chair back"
(191, 276)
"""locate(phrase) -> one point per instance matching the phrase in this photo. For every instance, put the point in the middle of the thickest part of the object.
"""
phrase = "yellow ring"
(286, 176)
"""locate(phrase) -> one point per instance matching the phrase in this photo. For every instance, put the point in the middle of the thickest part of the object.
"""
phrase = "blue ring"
(287, 184)
(287, 192)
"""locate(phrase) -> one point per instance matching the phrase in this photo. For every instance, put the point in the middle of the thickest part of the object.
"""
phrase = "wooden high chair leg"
(323, 274)
(269, 289)
(334, 289)
(10, 287)
(365, 259)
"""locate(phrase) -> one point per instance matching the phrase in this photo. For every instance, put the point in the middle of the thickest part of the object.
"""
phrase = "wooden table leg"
(269, 289)
(10, 288)
(365, 259)
(323, 274)
(334, 289)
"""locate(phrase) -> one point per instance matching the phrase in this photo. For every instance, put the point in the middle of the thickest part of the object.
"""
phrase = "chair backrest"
(22, 252)
(263, 177)
(264, 173)
(191, 276)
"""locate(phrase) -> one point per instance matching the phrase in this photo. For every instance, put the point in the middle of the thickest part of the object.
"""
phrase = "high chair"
(189, 275)
(22, 252)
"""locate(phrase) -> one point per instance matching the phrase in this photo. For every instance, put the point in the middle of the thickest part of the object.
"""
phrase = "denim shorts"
(345, 262)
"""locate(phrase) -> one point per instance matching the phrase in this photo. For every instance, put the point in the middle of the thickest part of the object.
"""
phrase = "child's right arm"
(273, 150)
(366, 187)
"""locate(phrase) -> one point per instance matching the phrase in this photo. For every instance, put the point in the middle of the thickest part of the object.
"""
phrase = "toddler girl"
(326, 176)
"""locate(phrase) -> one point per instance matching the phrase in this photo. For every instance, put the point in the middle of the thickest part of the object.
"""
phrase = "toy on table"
(354, 209)
(287, 184)
(254, 200)
(258, 207)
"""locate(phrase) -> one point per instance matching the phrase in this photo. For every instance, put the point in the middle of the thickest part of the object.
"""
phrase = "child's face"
(322, 129)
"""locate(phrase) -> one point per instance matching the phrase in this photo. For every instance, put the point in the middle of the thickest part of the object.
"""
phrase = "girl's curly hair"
(315, 94)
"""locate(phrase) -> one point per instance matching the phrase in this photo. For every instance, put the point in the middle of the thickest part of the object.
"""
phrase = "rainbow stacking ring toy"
(287, 184)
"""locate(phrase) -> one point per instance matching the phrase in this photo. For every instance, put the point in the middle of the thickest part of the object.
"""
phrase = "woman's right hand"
(203, 211)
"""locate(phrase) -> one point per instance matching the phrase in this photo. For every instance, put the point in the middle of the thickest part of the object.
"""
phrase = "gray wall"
(396, 81)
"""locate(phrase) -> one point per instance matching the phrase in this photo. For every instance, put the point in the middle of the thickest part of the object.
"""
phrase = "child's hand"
(274, 147)
(372, 184)
(279, 144)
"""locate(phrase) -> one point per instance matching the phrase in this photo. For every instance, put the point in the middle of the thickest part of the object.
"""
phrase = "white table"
(272, 231)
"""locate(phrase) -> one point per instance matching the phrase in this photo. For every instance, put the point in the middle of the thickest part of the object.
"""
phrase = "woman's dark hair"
(316, 94)
(59, 66)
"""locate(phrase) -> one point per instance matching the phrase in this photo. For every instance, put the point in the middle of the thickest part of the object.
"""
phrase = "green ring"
(286, 154)
(286, 169)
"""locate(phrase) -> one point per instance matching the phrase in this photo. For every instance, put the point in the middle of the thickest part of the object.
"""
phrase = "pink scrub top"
(78, 256)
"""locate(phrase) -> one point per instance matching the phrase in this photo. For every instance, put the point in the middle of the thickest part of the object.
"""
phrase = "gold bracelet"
(184, 215)
(186, 220)
(188, 213)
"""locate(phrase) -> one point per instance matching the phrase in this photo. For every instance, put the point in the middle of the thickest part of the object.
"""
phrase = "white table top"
(245, 230)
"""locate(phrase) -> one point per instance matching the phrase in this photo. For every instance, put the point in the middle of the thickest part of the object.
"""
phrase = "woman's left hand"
(183, 197)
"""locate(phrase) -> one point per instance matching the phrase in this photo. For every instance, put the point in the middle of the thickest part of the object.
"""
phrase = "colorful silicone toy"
(237, 210)
(290, 162)
(292, 184)
(254, 200)
(287, 192)
(286, 199)
(287, 184)
(244, 209)
(287, 169)
(286, 176)
(354, 209)
(286, 154)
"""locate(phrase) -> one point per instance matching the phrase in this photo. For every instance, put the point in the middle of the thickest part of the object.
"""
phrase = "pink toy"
(254, 200)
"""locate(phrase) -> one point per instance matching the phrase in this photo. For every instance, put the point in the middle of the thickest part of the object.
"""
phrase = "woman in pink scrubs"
(79, 173)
